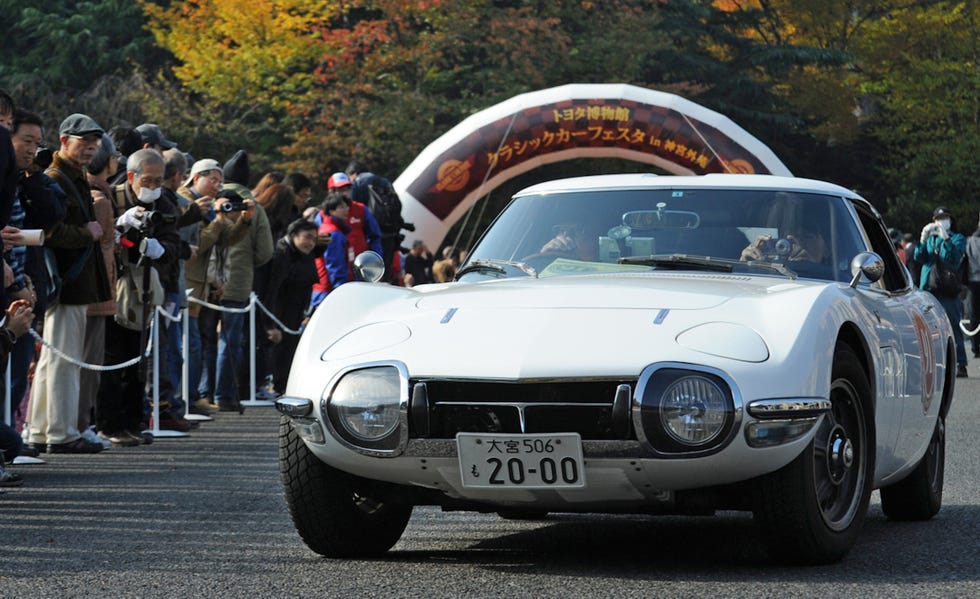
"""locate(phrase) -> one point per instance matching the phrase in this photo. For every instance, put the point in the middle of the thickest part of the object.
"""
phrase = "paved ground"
(204, 516)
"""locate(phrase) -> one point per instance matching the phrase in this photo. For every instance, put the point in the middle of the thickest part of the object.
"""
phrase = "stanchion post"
(251, 358)
(155, 431)
(7, 407)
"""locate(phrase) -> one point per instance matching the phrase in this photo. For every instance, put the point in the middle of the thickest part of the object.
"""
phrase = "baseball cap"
(152, 134)
(80, 125)
(338, 180)
(941, 211)
(202, 166)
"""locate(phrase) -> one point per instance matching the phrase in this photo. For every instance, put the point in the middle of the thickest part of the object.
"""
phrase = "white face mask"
(944, 223)
(148, 196)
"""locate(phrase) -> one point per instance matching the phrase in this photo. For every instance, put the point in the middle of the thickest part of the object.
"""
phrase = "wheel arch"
(850, 334)
(949, 385)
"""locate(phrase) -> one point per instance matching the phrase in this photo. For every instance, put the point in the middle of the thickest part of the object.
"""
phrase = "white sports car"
(632, 344)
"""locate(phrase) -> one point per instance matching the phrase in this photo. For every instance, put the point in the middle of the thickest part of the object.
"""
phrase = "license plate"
(492, 461)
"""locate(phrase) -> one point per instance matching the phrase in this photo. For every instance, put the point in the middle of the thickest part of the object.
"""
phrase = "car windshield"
(777, 233)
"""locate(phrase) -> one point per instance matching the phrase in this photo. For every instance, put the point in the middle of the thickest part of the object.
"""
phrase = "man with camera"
(940, 252)
(147, 242)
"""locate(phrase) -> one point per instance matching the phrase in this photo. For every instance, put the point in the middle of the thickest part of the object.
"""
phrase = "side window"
(895, 278)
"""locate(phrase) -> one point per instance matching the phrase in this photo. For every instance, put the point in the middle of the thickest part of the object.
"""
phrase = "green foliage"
(69, 45)
(923, 83)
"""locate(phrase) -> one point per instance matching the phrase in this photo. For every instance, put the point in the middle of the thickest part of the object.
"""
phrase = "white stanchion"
(251, 358)
(7, 408)
(155, 431)
(185, 351)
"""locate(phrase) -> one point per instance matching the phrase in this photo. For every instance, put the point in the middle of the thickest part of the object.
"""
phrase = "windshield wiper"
(485, 264)
(684, 261)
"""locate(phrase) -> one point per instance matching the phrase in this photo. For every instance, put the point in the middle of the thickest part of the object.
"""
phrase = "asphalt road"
(204, 517)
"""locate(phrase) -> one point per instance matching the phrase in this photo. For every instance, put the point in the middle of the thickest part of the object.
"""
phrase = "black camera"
(150, 219)
(42, 158)
(234, 206)
(781, 247)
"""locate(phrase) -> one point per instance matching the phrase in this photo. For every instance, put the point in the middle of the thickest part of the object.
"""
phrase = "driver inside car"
(572, 240)
(805, 244)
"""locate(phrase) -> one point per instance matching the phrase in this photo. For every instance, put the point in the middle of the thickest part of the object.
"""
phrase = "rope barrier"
(253, 301)
(168, 316)
(278, 322)
(96, 367)
(967, 331)
(219, 308)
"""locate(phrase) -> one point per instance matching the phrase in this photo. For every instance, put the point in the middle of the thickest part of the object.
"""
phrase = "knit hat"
(236, 169)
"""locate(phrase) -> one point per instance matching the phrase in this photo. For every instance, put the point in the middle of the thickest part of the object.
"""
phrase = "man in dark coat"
(120, 405)
(53, 418)
(287, 294)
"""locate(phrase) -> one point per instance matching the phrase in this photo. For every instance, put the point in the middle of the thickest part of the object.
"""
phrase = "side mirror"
(369, 266)
(868, 264)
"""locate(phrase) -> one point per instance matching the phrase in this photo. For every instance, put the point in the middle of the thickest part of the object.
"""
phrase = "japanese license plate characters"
(552, 461)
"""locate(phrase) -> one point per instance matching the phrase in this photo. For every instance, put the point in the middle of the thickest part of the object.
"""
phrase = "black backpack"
(385, 205)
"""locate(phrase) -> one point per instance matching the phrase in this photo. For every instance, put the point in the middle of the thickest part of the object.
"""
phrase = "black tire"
(919, 496)
(812, 510)
(337, 514)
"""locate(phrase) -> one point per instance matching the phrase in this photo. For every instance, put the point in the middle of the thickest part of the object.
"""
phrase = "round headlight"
(367, 402)
(693, 410)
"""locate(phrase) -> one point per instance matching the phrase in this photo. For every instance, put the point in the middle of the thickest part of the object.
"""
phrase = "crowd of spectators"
(115, 223)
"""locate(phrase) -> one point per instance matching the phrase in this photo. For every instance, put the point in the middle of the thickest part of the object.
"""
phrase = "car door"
(914, 376)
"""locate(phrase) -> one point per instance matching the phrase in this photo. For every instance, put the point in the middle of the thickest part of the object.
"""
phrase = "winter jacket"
(71, 240)
(254, 250)
(292, 275)
(950, 251)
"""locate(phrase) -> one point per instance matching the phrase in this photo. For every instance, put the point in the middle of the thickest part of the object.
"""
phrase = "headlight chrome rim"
(393, 436)
(648, 413)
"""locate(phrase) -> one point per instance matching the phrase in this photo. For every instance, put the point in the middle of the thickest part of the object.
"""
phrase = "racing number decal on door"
(927, 354)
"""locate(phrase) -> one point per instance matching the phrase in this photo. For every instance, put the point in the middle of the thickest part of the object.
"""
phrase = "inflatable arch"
(562, 123)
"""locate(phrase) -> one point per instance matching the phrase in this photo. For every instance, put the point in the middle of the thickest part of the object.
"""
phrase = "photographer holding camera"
(941, 251)
(147, 243)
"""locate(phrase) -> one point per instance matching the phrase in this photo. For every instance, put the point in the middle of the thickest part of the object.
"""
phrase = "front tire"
(919, 496)
(812, 510)
(337, 514)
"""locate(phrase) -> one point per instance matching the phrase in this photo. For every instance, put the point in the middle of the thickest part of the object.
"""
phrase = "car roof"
(714, 180)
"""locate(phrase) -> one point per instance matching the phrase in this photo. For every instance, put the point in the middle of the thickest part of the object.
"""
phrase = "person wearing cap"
(365, 234)
(243, 257)
(53, 415)
(153, 138)
(940, 243)
(332, 265)
(208, 238)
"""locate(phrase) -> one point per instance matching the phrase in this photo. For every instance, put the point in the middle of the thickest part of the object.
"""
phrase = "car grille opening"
(584, 407)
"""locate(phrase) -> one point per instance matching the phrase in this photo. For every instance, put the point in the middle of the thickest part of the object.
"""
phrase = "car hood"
(608, 325)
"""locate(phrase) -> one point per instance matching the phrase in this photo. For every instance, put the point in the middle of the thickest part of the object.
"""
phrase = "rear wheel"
(919, 495)
(811, 511)
(337, 514)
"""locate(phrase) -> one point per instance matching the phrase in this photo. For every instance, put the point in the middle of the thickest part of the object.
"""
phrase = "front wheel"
(919, 495)
(811, 511)
(337, 514)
